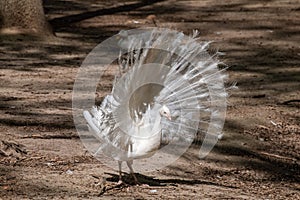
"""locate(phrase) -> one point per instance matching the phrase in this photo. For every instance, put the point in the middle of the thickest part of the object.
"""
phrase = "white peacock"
(167, 90)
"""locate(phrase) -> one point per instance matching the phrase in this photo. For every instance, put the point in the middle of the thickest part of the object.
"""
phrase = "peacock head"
(165, 112)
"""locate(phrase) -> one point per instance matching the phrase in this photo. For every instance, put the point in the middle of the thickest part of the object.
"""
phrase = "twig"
(277, 156)
(2, 153)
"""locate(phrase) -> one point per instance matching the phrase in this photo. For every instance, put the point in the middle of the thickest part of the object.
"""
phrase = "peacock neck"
(157, 126)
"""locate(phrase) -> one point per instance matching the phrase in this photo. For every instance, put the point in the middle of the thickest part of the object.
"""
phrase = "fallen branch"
(13, 145)
(291, 101)
(51, 136)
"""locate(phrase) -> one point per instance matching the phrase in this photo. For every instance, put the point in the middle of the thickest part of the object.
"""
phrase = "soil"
(42, 156)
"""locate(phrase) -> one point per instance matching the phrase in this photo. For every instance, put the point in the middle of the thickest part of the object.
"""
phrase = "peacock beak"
(169, 117)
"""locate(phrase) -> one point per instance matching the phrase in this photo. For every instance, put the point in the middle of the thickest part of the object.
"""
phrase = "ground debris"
(9, 148)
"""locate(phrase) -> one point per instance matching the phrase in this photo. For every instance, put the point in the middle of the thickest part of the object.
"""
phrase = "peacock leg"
(129, 164)
(120, 173)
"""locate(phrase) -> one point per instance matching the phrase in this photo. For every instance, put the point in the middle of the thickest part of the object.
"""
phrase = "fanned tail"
(164, 67)
(192, 84)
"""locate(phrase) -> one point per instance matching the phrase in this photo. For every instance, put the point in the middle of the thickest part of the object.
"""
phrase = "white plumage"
(167, 86)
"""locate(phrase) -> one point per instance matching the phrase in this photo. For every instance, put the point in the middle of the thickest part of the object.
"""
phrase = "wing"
(112, 141)
(99, 121)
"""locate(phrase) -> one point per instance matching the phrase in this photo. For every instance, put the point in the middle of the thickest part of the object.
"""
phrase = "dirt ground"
(42, 156)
